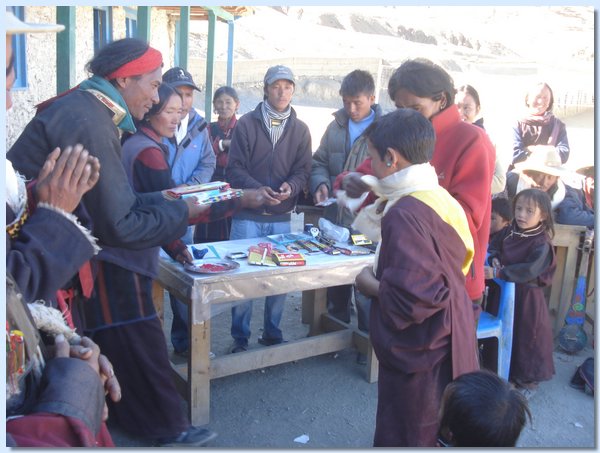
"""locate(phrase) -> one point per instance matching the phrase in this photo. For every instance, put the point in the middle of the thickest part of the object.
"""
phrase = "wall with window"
(40, 55)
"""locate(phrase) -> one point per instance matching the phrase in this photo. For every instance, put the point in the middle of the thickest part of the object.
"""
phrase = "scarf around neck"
(274, 120)
(389, 190)
(104, 86)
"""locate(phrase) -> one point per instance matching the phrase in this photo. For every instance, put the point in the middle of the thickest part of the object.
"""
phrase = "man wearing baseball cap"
(270, 151)
(192, 161)
(190, 152)
(45, 247)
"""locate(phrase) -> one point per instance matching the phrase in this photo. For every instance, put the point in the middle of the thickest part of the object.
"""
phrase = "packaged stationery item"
(260, 255)
(207, 193)
(288, 259)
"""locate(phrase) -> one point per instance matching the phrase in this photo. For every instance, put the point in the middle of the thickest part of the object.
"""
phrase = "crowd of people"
(86, 219)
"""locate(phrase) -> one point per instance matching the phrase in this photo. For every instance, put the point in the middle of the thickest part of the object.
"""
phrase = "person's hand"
(253, 198)
(354, 185)
(89, 351)
(66, 177)
(194, 209)
(366, 282)
(496, 263)
(285, 192)
(488, 272)
(321, 194)
(270, 196)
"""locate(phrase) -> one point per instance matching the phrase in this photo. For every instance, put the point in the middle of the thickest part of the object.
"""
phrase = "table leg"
(314, 305)
(199, 372)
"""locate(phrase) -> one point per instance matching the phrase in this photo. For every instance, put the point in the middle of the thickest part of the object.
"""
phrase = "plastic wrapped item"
(332, 231)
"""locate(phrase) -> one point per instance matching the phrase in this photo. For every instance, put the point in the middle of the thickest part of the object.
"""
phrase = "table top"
(249, 281)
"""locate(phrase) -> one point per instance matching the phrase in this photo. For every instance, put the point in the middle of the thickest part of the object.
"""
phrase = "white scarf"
(416, 178)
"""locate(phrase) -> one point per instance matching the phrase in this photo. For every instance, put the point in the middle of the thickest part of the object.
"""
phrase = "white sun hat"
(14, 25)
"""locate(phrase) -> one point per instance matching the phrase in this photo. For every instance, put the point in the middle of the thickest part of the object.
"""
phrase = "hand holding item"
(270, 196)
(66, 177)
(195, 209)
(253, 198)
(321, 194)
(285, 192)
(354, 185)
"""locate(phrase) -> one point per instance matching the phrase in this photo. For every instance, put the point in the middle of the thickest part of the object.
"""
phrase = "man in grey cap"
(270, 151)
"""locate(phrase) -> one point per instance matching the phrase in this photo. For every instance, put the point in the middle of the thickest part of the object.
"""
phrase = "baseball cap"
(279, 72)
(177, 77)
(15, 25)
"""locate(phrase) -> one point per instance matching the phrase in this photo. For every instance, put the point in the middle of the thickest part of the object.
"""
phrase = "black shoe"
(270, 341)
(238, 347)
(193, 437)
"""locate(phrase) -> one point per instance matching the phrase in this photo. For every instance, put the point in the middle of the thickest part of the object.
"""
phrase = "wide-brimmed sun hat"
(14, 25)
(543, 161)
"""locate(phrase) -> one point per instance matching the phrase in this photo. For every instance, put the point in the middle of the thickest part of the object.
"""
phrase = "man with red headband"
(123, 87)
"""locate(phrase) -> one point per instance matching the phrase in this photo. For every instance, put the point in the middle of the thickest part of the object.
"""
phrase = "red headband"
(148, 61)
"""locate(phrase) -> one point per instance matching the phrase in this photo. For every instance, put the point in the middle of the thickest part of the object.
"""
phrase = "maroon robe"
(422, 324)
(528, 259)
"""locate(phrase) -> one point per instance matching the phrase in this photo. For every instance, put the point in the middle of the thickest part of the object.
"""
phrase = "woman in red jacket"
(463, 157)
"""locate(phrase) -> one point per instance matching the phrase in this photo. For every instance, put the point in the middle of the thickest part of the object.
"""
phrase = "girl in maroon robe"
(523, 253)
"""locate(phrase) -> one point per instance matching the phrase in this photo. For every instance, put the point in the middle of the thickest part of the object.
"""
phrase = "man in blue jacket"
(270, 151)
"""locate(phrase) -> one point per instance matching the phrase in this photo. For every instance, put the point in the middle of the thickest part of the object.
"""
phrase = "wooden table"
(205, 291)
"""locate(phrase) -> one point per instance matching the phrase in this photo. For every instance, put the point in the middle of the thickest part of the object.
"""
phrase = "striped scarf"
(275, 121)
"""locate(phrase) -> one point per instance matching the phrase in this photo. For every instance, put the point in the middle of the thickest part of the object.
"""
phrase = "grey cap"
(279, 72)
(177, 77)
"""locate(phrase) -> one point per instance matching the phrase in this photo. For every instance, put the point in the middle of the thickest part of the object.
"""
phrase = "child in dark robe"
(422, 322)
(523, 253)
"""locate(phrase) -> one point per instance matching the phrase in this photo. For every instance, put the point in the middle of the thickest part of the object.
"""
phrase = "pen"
(262, 261)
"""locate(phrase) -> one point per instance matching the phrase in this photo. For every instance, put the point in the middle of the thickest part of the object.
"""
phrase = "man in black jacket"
(270, 151)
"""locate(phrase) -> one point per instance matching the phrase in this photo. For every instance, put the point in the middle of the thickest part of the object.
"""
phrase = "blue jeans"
(242, 313)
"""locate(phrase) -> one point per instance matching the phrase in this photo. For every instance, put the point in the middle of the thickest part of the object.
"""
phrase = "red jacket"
(464, 159)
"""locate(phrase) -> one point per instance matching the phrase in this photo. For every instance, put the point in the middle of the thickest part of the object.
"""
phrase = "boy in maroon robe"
(422, 323)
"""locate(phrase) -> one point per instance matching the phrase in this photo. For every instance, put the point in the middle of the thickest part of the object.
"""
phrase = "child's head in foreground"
(480, 409)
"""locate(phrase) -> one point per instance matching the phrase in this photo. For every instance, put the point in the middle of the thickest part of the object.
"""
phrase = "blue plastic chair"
(500, 327)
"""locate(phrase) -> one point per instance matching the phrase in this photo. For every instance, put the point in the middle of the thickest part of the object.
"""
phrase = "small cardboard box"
(289, 259)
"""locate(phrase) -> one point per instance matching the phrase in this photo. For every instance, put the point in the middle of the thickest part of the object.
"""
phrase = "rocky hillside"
(539, 33)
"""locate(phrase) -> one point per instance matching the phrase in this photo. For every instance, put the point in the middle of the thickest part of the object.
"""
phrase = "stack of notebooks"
(207, 193)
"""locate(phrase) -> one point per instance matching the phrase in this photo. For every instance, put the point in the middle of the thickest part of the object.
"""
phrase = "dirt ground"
(327, 399)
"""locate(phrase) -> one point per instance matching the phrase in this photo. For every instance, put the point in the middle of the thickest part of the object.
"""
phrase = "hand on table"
(66, 177)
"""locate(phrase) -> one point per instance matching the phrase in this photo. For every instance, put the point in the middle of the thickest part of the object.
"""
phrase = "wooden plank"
(198, 376)
(314, 304)
(283, 353)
